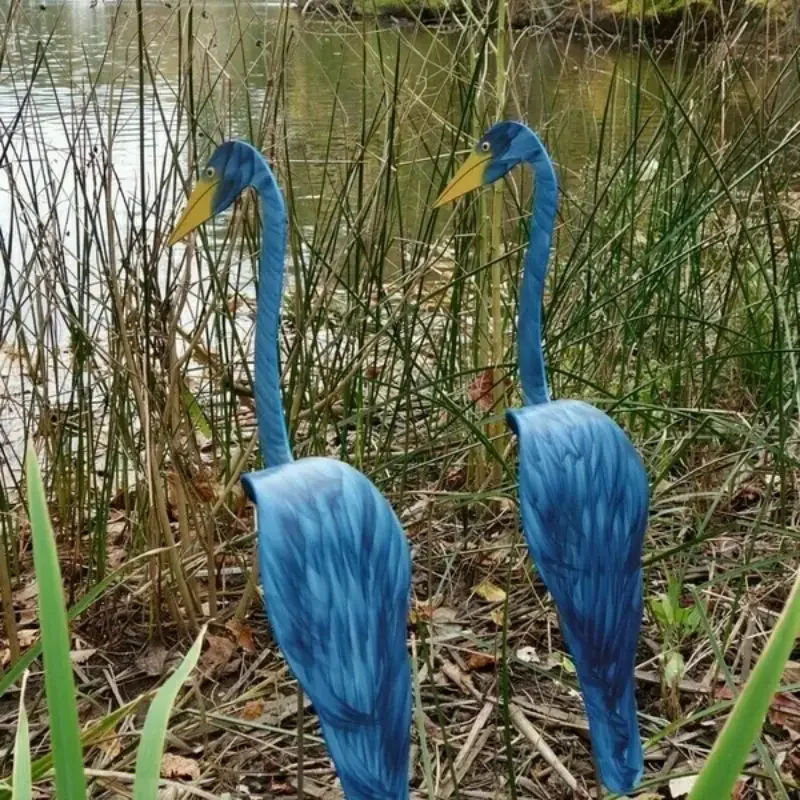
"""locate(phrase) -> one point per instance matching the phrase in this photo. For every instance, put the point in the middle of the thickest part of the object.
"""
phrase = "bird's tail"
(614, 731)
(369, 766)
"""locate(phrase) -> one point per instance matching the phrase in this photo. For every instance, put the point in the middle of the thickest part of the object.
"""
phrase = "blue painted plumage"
(334, 560)
(336, 573)
(584, 500)
(583, 488)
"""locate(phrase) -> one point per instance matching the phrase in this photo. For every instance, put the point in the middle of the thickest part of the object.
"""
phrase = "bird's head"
(227, 174)
(500, 149)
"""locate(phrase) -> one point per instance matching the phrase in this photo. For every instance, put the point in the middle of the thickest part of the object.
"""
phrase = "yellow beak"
(469, 176)
(199, 209)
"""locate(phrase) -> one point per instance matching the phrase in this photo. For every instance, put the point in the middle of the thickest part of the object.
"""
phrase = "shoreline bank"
(701, 18)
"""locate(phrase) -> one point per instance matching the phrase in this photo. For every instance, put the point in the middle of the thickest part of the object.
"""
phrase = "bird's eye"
(485, 146)
(210, 172)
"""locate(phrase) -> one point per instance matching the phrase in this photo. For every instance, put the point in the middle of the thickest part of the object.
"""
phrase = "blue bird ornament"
(583, 488)
(334, 560)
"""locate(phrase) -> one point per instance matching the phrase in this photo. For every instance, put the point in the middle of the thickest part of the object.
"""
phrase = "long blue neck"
(531, 356)
(269, 402)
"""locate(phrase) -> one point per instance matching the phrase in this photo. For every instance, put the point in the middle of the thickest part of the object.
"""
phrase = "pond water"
(70, 107)
(90, 61)
(69, 99)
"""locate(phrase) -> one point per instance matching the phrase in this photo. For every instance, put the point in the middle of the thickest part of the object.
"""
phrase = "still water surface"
(69, 98)
(91, 59)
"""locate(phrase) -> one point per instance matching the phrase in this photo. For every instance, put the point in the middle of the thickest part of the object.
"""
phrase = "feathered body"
(583, 488)
(336, 572)
(584, 500)
(334, 560)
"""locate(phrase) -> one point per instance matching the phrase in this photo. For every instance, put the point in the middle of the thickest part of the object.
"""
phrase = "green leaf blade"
(59, 683)
(718, 777)
(154, 732)
(196, 414)
(22, 786)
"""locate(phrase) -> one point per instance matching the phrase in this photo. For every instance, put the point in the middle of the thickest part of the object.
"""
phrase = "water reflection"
(83, 110)
(91, 60)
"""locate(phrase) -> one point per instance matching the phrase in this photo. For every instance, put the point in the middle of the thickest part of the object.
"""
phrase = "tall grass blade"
(151, 745)
(720, 773)
(59, 684)
(22, 752)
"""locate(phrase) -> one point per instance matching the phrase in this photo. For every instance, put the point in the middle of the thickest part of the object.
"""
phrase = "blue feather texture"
(584, 500)
(336, 571)
(583, 488)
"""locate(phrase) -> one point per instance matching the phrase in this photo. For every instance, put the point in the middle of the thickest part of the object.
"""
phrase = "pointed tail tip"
(617, 744)
(621, 776)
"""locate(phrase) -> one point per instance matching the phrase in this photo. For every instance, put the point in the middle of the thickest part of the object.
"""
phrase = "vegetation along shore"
(656, 19)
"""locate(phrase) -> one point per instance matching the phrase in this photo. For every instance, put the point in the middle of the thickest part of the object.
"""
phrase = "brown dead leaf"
(480, 390)
(722, 693)
(785, 713)
(28, 593)
(27, 616)
(739, 790)
(5, 657)
(219, 652)
(115, 556)
(444, 614)
(496, 616)
(421, 612)
(478, 661)
(455, 478)
(501, 548)
(490, 592)
(428, 612)
(792, 762)
(281, 787)
(110, 748)
(238, 500)
(26, 600)
(253, 710)
(152, 661)
(506, 505)
(457, 676)
(747, 495)
(244, 635)
(791, 672)
(175, 766)
(206, 485)
(117, 526)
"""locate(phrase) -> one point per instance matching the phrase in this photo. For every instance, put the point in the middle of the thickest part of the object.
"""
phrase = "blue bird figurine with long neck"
(334, 560)
(583, 488)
